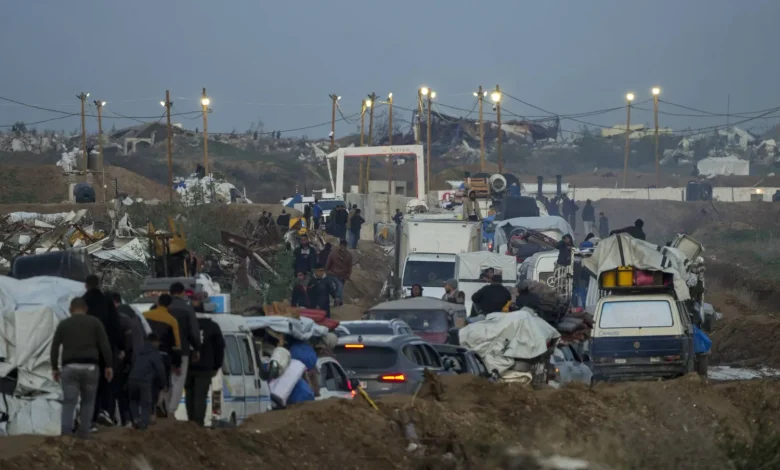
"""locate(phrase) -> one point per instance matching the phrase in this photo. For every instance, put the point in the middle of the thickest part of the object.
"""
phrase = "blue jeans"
(339, 287)
(353, 239)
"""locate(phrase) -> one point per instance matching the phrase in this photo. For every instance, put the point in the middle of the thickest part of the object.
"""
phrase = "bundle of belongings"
(30, 310)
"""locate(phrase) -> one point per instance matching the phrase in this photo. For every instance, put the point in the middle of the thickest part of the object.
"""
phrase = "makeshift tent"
(551, 225)
(30, 310)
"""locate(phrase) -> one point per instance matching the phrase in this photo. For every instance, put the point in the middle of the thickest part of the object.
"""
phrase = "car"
(383, 364)
(334, 382)
(462, 360)
(568, 366)
(394, 327)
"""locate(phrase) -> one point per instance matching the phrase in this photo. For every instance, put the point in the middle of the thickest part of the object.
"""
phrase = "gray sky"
(566, 56)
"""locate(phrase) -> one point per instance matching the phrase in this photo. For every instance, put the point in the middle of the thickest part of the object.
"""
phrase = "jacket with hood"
(147, 365)
(339, 264)
(102, 308)
(133, 328)
(564, 253)
(304, 259)
(212, 351)
(184, 314)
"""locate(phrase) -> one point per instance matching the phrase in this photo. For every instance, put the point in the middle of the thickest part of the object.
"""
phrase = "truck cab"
(641, 337)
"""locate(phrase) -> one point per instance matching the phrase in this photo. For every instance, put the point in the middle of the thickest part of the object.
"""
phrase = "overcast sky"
(278, 61)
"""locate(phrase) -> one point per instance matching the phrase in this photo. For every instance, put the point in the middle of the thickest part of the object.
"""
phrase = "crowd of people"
(127, 369)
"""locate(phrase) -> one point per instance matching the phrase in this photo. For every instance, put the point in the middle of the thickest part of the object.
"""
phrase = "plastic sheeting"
(624, 250)
(30, 311)
(503, 337)
(550, 225)
(730, 165)
(133, 251)
(469, 266)
(300, 328)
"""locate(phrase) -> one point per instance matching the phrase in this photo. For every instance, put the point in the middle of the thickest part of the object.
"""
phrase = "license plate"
(363, 385)
(620, 361)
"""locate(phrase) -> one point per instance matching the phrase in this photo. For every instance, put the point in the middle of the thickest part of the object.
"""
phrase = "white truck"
(428, 249)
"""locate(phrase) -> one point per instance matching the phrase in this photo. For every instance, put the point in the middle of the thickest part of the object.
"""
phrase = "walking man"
(146, 375)
(355, 223)
(84, 347)
(189, 334)
(589, 217)
(201, 372)
(339, 267)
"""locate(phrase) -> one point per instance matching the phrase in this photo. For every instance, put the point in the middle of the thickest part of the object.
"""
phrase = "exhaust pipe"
(539, 183)
(558, 182)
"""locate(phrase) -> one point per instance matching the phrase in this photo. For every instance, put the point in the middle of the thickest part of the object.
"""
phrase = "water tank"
(84, 193)
(93, 162)
(68, 264)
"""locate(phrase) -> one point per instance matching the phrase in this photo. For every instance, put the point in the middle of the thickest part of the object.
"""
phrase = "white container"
(282, 387)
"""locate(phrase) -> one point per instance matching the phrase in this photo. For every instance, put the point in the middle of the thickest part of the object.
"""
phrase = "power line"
(313, 126)
(69, 114)
(39, 122)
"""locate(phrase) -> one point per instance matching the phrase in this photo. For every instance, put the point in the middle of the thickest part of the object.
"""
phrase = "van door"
(234, 387)
(251, 376)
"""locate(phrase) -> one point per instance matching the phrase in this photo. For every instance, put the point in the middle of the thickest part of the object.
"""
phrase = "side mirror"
(586, 358)
(355, 383)
(449, 364)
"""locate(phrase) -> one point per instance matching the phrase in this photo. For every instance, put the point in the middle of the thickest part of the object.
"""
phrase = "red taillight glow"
(354, 346)
(393, 378)
(353, 394)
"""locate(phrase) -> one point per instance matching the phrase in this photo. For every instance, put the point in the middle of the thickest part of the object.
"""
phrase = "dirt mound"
(747, 341)
(675, 424)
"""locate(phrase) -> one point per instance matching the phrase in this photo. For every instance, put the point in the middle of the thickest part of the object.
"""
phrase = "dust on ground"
(674, 424)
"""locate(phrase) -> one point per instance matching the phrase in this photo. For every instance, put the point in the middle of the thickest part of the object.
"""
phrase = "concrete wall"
(373, 208)
(380, 187)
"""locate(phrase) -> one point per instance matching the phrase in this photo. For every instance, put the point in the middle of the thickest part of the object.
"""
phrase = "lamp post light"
(496, 97)
(656, 91)
(430, 95)
(629, 99)
(205, 101)
(480, 95)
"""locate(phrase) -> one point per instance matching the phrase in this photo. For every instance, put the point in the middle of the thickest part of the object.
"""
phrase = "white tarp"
(301, 328)
(503, 337)
(133, 251)
(730, 165)
(30, 310)
(56, 218)
(551, 225)
(469, 266)
(624, 250)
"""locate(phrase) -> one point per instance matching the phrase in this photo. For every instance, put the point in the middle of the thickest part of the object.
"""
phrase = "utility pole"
(418, 125)
(362, 126)
(372, 104)
(335, 98)
(480, 98)
(167, 104)
(389, 157)
(629, 99)
(431, 95)
(205, 101)
(656, 91)
(497, 100)
(99, 105)
(83, 97)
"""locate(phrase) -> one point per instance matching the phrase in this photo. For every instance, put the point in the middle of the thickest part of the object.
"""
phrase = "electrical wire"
(313, 126)
(69, 114)
(39, 122)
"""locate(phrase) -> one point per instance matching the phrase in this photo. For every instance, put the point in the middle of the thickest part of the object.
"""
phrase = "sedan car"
(568, 366)
(385, 364)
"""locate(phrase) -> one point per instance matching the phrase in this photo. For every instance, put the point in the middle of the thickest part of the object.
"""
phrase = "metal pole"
(657, 157)
(362, 126)
(205, 132)
(334, 98)
(419, 116)
(480, 97)
(170, 144)
(373, 98)
(428, 159)
(83, 98)
(498, 120)
(628, 143)
(389, 157)
(99, 105)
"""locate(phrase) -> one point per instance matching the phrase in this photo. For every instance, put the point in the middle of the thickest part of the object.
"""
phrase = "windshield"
(369, 357)
(428, 273)
(425, 321)
(636, 314)
(368, 328)
(330, 205)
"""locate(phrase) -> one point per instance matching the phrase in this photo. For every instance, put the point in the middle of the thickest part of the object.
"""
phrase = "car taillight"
(393, 378)
(216, 402)
(353, 394)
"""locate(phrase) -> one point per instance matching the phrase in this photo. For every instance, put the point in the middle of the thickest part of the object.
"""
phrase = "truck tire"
(702, 364)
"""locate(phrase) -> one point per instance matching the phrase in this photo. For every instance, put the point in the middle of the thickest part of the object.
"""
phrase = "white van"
(540, 267)
(236, 391)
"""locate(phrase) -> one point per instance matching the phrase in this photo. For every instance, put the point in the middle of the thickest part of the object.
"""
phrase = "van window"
(636, 314)
(232, 363)
(246, 358)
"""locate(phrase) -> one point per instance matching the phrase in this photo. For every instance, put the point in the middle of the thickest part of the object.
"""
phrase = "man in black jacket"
(305, 256)
(321, 289)
(589, 216)
(199, 376)
(491, 298)
(355, 224)
(635, 230)
(102, 307)
(189, 334)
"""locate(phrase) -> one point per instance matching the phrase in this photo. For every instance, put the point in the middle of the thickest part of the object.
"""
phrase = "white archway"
(382, 151)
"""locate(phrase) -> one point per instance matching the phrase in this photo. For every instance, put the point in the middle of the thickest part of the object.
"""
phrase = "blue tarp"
(701, 342)
(296, 199)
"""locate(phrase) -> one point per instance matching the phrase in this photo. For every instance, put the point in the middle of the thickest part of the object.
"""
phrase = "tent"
(30, 310)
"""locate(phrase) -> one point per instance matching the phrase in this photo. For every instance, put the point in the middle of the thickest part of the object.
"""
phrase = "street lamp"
(205, 101)
(99, 105)
(430, 94)
(496, 96)
(424, 91)
(480, 95)
(656, 91)
(629, 99)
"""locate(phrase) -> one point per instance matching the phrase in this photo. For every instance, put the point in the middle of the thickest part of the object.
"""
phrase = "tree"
(19, 127)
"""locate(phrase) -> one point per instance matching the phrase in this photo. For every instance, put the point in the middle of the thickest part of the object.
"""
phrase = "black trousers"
(140, 400)
(196, 394)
